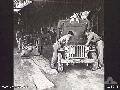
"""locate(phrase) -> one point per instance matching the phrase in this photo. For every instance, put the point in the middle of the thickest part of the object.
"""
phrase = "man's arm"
(67, 39)
(88, 24)
(90, 36)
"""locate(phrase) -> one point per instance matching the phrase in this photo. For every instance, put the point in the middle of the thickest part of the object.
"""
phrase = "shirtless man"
(93, 37)
(61, 42)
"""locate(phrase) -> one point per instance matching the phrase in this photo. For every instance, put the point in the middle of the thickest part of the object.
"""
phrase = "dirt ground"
(74, 77)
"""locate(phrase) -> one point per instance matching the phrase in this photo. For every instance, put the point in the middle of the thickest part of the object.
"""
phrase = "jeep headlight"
(87, 48)
(66, 48)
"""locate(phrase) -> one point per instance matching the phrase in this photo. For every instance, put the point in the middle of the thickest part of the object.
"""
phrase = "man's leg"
(40, 49)
(100, 48)
(40, 46)
(18, 42)
(54, 57)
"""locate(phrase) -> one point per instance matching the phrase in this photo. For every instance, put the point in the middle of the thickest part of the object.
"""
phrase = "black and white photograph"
(58, 44)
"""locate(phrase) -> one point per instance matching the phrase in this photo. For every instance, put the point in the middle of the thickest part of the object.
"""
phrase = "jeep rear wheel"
(59, 64)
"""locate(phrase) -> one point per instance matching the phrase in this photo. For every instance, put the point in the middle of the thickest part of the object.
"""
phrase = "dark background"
(47, 14)
(111, 38)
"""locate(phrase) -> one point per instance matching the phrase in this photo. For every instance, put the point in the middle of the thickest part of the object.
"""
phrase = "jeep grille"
(77, 51)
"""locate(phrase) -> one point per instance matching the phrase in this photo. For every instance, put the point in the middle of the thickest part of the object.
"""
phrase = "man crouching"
(94, 38)
(60, 43)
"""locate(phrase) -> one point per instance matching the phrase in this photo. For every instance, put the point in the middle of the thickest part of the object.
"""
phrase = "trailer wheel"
(59, 64)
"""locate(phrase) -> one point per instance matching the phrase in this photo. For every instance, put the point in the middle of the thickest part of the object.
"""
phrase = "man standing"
(93, 37)
(19, 40)
(61, 42)
(53, 35)
(40, 41)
